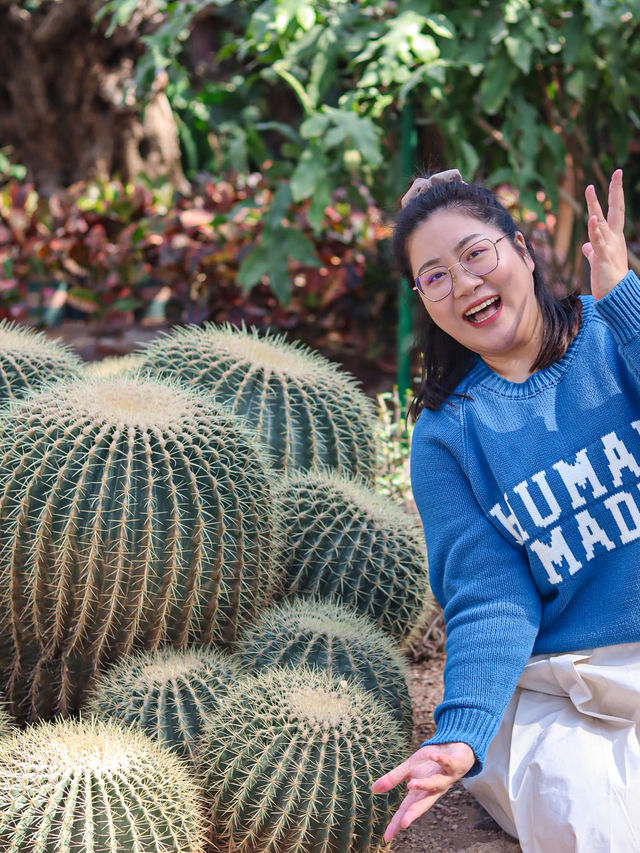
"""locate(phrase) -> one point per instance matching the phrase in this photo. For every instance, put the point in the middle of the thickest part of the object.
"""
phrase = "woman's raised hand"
(606, 250)
(429, 773)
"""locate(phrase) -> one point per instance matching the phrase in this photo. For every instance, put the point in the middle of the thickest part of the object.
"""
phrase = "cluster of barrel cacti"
(202, 600)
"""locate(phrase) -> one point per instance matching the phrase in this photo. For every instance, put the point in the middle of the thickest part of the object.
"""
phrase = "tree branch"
(60, 19)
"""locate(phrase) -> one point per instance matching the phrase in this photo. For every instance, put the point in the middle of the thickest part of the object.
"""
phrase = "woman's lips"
(485, 315)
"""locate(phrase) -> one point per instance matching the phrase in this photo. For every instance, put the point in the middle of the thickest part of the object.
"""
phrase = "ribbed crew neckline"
(481, 374)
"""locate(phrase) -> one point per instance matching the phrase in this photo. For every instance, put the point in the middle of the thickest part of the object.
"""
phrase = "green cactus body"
(28, 360)
(134, 515)
(305, 410)
(330, 636)
(288, 763)
(167, 694)
(337, 539)
(91, 787)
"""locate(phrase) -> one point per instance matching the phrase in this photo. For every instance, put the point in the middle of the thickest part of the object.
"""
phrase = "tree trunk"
(67, 106)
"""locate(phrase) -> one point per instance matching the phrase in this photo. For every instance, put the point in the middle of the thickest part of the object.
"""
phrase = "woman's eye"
(431, 278)
(476, 253)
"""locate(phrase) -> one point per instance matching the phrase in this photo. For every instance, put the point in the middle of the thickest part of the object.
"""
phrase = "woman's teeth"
(482, 311)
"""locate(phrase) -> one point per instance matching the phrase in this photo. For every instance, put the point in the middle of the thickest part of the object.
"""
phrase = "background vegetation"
(275, 138)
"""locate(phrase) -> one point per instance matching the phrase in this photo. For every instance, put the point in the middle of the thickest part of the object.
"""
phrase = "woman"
(526, 471)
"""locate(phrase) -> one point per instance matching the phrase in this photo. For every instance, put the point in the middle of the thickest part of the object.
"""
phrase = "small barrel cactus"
(328, 635)
(304, 409)
(338, 539)
(288, 763)
(28, 360)
(134, 515)
(167, 693)
(76, 787)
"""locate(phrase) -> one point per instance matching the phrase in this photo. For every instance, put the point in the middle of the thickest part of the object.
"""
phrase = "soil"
(456, 823)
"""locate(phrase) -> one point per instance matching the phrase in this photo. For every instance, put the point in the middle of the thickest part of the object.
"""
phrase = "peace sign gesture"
(606, 250)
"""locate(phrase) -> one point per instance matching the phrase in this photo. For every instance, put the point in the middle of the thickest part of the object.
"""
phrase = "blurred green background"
(166, 162)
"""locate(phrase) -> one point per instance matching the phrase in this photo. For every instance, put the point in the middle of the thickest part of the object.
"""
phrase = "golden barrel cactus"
(134, 515)
(303, 408)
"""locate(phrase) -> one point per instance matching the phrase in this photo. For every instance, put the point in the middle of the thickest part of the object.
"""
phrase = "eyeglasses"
(478, 259)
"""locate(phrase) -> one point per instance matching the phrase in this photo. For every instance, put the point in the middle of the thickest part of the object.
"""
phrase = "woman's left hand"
(606, 250)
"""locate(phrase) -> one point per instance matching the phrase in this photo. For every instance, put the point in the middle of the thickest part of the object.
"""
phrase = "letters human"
(605, 478)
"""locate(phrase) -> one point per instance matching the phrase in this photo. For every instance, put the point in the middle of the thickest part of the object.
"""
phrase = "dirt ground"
(456, 823)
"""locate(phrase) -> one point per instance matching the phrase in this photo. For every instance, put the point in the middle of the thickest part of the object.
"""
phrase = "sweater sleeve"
(620, 310)
(491, 605)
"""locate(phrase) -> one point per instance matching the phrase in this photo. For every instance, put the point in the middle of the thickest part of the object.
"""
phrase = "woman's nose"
(462, 278)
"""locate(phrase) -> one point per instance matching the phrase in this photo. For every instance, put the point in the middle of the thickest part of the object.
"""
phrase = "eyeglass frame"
(459, 263)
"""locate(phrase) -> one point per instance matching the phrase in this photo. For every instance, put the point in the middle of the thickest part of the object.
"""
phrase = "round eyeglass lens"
(435, 283)
(480, 258)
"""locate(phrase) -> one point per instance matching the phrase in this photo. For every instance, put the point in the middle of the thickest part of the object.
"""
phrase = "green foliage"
(167, 694)
(289, 760)
(134, 514)
(337, 539)
(305, 411)
(28, 360)
(506, 90)
(327, 635)
(393, 443)
(75, 787)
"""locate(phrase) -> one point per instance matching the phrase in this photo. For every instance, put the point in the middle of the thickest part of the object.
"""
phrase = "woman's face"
(507, 333)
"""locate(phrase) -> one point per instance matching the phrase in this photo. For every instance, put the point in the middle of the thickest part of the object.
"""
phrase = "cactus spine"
(5, 724)
(289, 760)
(114, 365)
(28, 360)
(134, 515)
(338, 539)
(90, 787)
(304, 409)
(328, 635)
(167, 694)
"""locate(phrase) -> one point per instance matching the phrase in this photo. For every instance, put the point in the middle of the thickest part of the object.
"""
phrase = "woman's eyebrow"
(436, 261)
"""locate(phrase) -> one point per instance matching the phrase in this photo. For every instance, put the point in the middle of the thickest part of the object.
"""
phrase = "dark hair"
(445, 361)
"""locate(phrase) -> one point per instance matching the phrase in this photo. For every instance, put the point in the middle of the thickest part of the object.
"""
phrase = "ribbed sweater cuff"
(467, 725)
(620, 309)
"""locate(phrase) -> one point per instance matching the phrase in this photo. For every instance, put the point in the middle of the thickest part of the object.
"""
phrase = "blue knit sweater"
(530, 499)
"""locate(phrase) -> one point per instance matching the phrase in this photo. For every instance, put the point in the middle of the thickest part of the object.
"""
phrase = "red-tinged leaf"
(74, 267)
(194, 217)
(96, 238)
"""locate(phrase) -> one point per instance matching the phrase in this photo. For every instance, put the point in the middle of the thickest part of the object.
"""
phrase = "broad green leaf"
(425, 48)
(359, 131)
(253, 267)
(306, 16)
(277, 270)
(320, 200)
(299, 246)
(315, 125)
(311, 170)
(470, 158)
(440, 25)
(519, 49)
(575, 85)
(279, 206)
(497, 81)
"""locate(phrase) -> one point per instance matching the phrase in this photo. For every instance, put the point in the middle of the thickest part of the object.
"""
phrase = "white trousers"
(562, 774)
